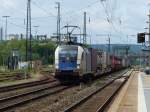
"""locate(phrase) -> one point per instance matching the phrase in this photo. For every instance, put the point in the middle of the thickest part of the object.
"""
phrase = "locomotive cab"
(71, 61)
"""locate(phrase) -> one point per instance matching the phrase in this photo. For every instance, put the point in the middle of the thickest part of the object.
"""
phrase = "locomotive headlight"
(78, 66)
(56, 66)
(68, 58)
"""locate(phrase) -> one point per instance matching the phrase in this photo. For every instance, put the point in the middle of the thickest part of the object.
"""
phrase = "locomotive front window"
(67, 54)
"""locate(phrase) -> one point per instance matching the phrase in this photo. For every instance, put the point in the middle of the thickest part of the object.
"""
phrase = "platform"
(144, 93)
(134, 96)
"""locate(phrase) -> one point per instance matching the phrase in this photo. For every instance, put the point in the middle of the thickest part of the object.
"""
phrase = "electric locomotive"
(72, 61)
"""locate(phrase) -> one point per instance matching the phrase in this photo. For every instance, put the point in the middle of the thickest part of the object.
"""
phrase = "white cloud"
(8, 3)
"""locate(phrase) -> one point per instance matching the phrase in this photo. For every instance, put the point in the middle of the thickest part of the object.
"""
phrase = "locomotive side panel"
(88, 60)
(85, 66)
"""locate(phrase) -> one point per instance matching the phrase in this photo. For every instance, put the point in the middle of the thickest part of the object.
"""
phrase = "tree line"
(41, 50)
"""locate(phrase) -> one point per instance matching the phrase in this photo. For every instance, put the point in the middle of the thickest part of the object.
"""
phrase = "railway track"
(105, 94)
(9, 102)
(9, 76)
(25, 85)
(41, 89)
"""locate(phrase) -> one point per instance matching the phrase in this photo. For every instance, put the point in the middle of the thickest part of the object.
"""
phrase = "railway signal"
(141, 37)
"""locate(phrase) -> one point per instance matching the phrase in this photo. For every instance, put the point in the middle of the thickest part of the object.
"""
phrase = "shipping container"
(116, 63)
(93, 59)
(106, 62)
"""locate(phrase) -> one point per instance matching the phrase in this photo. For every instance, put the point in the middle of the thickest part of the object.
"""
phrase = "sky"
(121, 19)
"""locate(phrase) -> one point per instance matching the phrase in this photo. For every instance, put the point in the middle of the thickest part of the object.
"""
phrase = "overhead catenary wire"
(109, 11)
(106, 12)
(113, 9)
(109, 18)
(71, 13)
(82, 9)
(33, 18)
(21, 11)
(15, 25)
(44, 10)
(19, 26)
(49, 14)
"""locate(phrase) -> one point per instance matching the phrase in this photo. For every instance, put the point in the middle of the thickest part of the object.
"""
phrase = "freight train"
(78, 62)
